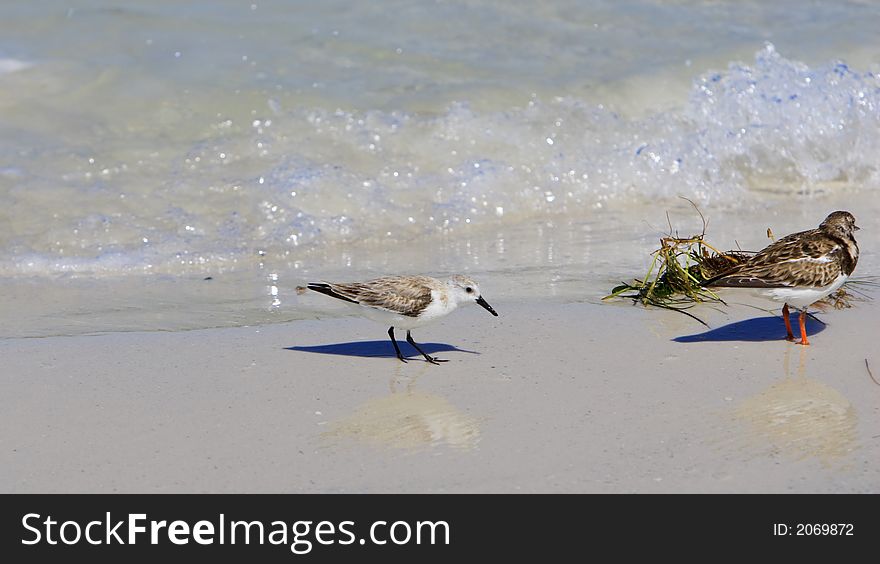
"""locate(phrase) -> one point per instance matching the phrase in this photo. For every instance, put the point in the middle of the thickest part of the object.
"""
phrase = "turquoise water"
(146, 146)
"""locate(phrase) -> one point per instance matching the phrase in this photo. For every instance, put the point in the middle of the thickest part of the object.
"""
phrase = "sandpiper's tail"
(328, 289)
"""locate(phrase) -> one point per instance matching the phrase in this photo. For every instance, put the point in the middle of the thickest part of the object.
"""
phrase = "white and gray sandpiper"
(406, 302)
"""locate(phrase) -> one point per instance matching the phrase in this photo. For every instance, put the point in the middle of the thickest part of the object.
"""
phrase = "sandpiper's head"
(841, 223)
(463, 290)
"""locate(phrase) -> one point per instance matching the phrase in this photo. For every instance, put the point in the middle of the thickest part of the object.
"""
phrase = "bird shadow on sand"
(378, 349)
(765, 328)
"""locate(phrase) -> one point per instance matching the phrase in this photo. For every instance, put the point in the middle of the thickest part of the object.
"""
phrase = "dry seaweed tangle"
(678, 270)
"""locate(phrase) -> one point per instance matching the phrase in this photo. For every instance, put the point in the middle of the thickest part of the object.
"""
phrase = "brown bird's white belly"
(802, 297)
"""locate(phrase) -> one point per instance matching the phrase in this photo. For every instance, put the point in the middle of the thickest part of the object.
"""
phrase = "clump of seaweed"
(678, 271)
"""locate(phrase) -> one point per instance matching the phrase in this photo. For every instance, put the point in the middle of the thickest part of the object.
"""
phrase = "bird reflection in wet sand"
(801, 417)
(407, 419)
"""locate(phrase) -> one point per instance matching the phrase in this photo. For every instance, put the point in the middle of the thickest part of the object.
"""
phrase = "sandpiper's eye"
(469, 290)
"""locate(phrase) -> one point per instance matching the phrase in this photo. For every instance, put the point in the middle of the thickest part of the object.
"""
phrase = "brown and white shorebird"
(406, 302)
(800, 269)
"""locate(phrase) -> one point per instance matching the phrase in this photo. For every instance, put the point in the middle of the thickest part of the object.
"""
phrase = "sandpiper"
(406, 302)
(800, 269)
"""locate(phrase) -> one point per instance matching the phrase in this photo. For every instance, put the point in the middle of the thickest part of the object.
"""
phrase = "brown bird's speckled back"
(813, 258)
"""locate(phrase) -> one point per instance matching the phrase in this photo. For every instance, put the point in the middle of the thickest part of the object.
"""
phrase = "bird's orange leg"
(785, 316)
(804, 340)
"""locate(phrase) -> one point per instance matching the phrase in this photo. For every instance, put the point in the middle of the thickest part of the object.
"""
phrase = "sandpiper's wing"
(805, 259)
(405, 295)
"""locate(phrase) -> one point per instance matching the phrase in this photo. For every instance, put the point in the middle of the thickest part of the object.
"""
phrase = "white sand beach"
(575, 397)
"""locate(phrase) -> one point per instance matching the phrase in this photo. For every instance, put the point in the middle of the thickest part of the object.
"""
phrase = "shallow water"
(148, 147)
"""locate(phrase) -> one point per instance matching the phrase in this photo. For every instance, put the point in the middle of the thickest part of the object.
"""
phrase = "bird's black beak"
(856, 227)
(486, 305)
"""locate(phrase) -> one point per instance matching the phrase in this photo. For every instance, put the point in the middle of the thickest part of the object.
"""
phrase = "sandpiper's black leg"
(429, 358)
(394, 342)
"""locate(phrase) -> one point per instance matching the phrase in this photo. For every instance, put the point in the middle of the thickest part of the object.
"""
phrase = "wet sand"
(578, 397)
